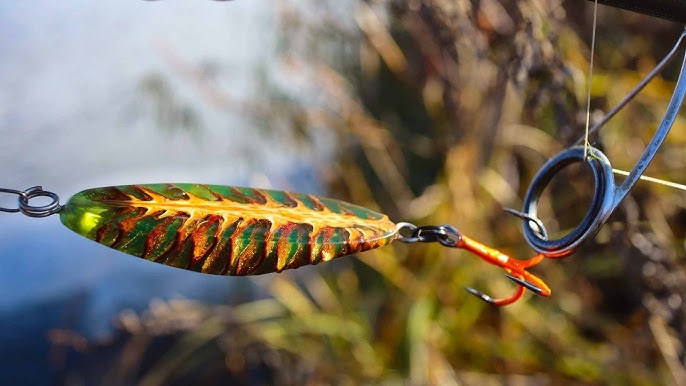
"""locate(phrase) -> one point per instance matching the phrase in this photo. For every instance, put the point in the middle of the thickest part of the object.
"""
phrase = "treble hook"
(448, 236)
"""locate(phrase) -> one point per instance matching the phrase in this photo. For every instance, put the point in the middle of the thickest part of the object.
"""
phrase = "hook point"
(525, 284)
(539, 228)
(480, 295)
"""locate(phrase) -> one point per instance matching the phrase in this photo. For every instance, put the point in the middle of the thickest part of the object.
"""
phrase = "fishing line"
(590, 79)
(620, 105)
(654, 180)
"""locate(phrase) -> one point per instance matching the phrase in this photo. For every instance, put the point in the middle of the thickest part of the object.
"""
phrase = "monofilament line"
(590, 79)
(671, 184)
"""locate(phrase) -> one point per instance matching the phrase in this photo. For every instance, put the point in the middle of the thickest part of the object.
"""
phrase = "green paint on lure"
(222, 229)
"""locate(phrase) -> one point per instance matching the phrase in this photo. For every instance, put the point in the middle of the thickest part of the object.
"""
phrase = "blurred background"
(430, 111)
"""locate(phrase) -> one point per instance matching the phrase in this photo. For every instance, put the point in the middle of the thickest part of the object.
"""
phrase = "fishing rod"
(674, 10)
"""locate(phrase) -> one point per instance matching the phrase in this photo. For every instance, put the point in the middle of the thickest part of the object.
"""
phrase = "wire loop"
(24, 202)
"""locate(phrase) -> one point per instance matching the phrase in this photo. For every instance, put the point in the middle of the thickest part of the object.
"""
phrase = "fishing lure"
(237, 231)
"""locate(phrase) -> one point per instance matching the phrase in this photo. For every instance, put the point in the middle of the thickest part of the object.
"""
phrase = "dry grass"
(442, 111)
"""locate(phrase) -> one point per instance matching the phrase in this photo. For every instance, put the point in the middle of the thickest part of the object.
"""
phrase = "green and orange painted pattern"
(222, 229)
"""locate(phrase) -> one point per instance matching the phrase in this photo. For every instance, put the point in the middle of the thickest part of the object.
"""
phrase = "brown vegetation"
(442, 111)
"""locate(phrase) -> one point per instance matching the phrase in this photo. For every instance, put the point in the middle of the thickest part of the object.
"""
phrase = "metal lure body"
(224, 230)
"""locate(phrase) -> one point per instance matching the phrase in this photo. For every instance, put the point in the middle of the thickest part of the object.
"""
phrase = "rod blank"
(674, 10)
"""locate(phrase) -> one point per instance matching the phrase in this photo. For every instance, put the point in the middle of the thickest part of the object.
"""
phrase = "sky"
(74, 114)
(72, 74)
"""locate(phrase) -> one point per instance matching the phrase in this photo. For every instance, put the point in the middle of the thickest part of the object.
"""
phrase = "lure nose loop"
(24, 205)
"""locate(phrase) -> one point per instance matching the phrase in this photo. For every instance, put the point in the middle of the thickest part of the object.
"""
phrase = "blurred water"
(74, 115)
